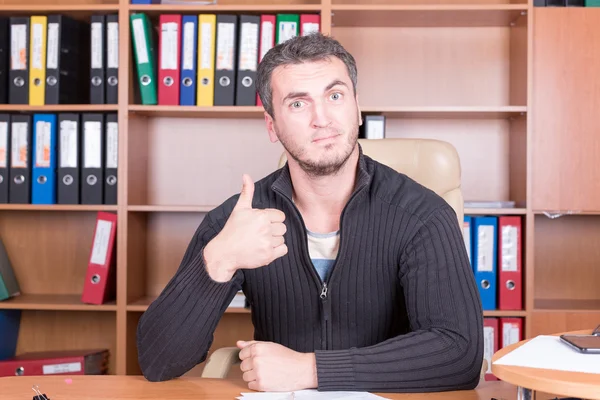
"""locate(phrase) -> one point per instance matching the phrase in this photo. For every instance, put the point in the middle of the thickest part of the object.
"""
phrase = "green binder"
(288, 26)
(9, 287)
(143, 42)
(592, 3)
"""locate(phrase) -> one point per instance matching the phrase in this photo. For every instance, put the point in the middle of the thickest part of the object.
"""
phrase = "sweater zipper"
(326, 337)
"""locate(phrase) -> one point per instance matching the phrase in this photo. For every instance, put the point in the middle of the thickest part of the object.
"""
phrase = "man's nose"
(320, 116)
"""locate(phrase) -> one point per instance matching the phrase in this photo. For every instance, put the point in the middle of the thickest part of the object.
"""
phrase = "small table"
(529, 380)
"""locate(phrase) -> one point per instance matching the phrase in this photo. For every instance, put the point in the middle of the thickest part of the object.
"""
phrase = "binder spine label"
(19, 145)
(188, 42)
(140, 41)
(101, 239)
(486, 248)
(225, 39)
(310, 27)
(267, 32)
(113, 45)
(169, 44)
(52, 56)
(509, 248)
(248, 47)
(97, 45)
(36, 43)
(206, 38)
(42, 140)
(488, 343)
(61, 368)
(18, 47)
(3, 144)
(93, 141)
(510, 334)
(287, 30)
(68, 144)
(112, 145)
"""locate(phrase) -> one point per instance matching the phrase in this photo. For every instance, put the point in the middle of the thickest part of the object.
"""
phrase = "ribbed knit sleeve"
(444, 349)
(176, 331)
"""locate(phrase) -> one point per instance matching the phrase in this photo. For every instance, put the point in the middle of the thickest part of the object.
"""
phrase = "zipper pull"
(323, 295)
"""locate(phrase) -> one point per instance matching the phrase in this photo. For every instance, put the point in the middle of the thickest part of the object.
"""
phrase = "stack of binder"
(494, 246)
(65, 158)
(57, 59)
(497, 334)
(207, 59)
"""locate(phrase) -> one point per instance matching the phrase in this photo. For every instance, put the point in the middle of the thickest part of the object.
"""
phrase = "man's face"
(316, 114)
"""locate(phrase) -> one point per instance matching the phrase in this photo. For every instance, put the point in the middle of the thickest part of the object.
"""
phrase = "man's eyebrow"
(293, 95)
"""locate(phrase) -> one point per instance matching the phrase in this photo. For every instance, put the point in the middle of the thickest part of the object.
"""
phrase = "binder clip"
(39, 395)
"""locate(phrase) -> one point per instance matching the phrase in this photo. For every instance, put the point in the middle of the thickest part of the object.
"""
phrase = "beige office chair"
(434, 164)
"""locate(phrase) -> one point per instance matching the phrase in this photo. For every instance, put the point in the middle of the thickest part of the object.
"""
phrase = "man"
(357, 276)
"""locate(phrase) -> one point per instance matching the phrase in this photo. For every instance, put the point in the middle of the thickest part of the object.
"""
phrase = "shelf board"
(222, 8)
(57, 207)
(495, 211)
(567, 305)
(54, 302)
(427, 15)
(504, 313)
(484, 112)
(458, 112)
(53, 8)
(60, 108)
(142, 304)
(158, 208)
(198, 112)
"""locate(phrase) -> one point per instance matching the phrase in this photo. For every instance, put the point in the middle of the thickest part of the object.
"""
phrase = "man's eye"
(296, 104)
(336, 96)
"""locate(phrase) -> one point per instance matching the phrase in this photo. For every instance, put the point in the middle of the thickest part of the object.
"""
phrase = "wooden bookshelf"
(471, 72)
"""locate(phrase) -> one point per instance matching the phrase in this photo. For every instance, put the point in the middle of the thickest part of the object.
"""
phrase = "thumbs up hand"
(251, 238)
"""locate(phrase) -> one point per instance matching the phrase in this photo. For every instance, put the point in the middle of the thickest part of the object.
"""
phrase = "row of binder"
(208, 59)
(56, 59)
(64, 158)
(566, 3)
(36, 363)
(497, 334)
(494, 246)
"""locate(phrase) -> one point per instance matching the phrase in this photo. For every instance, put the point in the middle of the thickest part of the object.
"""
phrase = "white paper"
(548, 352)
(309, 394)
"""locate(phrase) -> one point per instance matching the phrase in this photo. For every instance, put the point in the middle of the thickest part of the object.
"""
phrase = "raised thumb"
(247, 193)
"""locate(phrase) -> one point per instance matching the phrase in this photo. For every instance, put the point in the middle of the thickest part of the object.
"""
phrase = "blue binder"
(485, 259)
(10, 321)
(43, 154)
(189, 50)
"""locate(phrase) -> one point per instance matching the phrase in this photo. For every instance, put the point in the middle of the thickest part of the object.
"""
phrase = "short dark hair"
(312, 47)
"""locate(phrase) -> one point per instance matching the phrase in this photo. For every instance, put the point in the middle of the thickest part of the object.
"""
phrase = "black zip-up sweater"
(400, 311)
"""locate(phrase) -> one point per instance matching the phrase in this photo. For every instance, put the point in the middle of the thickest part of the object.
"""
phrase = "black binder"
(20, 159)
(97, 59)
(112, 159)
(249, 36)
(18, 76)
(112, 59)
(4, 57)
(92, 158)
(4, 156)
(67, 62)
(69, 158)
(225, 71)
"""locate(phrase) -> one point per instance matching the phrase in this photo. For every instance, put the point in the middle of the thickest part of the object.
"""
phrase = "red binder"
(309, 23)
(511, 330)
(65, 362)
(100, 286)
(266, 42)
(490, 344)
(169, 59)
(510, 269)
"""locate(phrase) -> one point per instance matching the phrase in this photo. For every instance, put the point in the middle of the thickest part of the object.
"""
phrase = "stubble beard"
(325, 167)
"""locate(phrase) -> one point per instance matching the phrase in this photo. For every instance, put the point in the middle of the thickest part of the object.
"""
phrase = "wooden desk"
(104, 387)
(531, 380)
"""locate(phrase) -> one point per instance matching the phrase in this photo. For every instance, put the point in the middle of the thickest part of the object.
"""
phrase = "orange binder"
(100, 280)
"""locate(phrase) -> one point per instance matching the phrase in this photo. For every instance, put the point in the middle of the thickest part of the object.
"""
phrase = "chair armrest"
(484, 368)
(220, 362)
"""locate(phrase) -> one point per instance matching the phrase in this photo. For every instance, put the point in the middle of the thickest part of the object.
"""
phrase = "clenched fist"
(251, 238)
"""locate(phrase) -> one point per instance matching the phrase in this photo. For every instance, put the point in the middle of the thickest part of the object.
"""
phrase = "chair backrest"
(432, 163)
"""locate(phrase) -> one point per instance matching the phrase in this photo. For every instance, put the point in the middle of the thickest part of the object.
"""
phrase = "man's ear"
(360, 121)
(271, 128)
